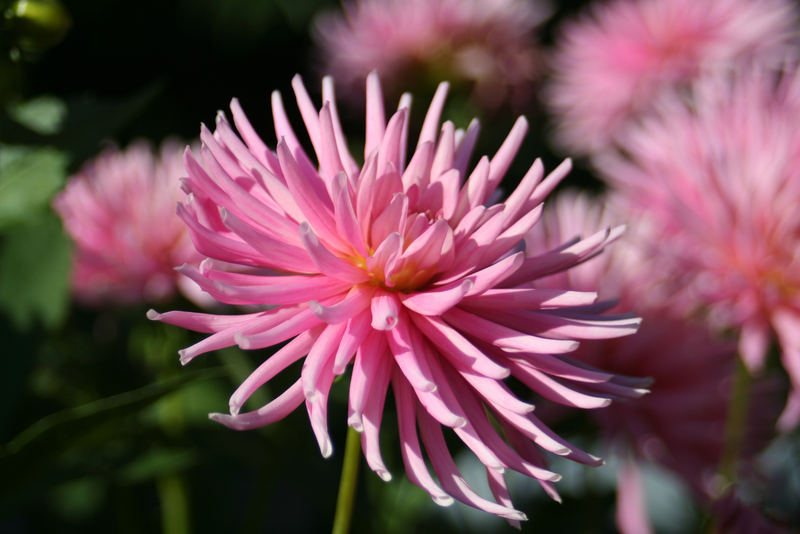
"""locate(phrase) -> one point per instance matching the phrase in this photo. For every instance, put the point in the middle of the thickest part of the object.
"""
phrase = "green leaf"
(28, 180)
(34, 273)
(44, 115)
(36, 450)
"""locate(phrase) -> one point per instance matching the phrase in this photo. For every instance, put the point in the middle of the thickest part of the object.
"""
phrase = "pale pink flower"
(681, 423)
(717, 174)
(408, 270)
(485, 42)
(120, 211)
(613, 60)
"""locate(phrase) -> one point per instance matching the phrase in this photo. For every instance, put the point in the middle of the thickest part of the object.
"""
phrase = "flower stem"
(735, 426)
(347, 484)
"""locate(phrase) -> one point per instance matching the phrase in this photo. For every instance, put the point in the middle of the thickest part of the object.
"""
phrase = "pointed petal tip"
(153, 315)
(326, 448)
(384, 475)
(354, 422)
(185, 358)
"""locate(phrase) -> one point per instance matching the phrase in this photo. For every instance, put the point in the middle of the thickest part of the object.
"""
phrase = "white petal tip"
(555, 477)
(516, 516)
(326, 448)
(460, 423)
(184, 357)
(386, 476)
(562, 451)
(153, 315)
(443, 500)
(354, 422)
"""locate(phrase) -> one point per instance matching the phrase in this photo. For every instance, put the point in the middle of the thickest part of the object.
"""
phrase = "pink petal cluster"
(613, 60)
(717, 175)
(120, 211)
(485, 42)
(681, 423)
(411, 272)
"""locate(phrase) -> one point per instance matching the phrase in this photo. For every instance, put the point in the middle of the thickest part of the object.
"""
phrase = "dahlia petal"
(448, 473)
(357, 329)
(511, 236)
(371, 356)
(443, 158)
(301, 320)
(254, 142)
(506, 153)
(492, 439)
(556, 366)
(376, 119)
(418, 170)
(439, 300)
(372, 421)
(465, 146)
(326, 262)
(389, 152)
(530, 298)
(494, 274)
(356, 301)
(754, 342)
(280, 255)
(504, 337)
(404, 104)
(414, 368)
(474, 190)
(430, 246)
(386, 254)
(346, 222)
(552, 389)
(203, 322)
(287, 355)
(631, 508)
(515, 203)
(280, 407)
(238, 288)
(283, 129)
(312, 197)
(457, 348)
(385, 310)
(431, 122)
(330, 162)
(319, 358)
(391, 220)
(547, 185)
(498, 487)
(307, 112)
(329, 97)
(559, 324)
(416, 470)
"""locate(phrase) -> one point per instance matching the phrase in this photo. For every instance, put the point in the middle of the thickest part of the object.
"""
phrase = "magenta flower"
(488, 43)
(681, 423)
(718, 178)
(120, 211)
(409, 271)
(629, 51)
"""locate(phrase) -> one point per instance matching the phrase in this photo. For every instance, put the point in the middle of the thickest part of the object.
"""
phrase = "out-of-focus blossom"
(486, 42)
(682, 423)
(120, 211)
(717, 175)
(613, 60)
(408, 270)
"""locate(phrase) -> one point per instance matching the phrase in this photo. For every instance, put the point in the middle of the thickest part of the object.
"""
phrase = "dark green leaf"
(29, 177)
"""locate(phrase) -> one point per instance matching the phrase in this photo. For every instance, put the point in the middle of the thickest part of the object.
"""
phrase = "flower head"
(615, 59)
(717, 175)
(681, 424)
(488, 43)
(120, 211)
(407, 270)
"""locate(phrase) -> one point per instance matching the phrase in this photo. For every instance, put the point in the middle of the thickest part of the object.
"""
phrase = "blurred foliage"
(100, 428)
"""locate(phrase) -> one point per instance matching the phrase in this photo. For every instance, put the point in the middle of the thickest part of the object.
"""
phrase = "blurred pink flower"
(120, 211)
(613, 60)
(681, 423)
(486, 42)
(717, 175)
(408, 271)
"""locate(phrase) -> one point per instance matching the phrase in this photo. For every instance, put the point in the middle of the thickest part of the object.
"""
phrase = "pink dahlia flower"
(615, 59)
(717, 175)
(408, 270)
(681, 423)
(485, 42)
(120, 211)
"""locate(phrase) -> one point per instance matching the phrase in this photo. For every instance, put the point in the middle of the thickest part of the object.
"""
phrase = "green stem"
(347, 484)
(735, 425)
(735, 430)
(174, 504)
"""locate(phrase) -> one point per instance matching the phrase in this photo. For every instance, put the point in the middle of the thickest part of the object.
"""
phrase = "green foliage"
(29, 177)
(34, 268)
